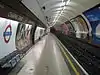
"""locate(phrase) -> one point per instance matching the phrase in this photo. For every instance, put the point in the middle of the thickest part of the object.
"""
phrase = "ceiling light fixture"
(61, 11)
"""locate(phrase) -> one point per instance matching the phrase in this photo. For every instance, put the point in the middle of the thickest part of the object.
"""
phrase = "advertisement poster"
(7, 36)
(76, 27)
(23, 35)
(27, 33)
(93, 15)
(20, 36)
(70, 27)
(13, 36)
(38, 33)
(82, 22)
(65, 29)
(83, 26)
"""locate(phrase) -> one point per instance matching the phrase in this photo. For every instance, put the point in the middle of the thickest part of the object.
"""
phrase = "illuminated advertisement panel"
(93, 16)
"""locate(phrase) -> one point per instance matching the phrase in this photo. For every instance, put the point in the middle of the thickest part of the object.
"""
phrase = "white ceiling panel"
(59, 11)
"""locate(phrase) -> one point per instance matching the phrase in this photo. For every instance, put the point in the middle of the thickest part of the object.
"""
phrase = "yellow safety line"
(73, 67)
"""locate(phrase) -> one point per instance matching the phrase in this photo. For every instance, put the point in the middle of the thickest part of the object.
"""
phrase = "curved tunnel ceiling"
(59, 11)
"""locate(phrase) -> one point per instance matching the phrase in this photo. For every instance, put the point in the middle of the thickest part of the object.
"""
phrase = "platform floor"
(44, 58)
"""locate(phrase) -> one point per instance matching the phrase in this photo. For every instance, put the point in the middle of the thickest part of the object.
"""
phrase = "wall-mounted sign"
(7, 33)
(7, 36)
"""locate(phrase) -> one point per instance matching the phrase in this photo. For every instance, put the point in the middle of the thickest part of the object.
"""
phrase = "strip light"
(60, 13)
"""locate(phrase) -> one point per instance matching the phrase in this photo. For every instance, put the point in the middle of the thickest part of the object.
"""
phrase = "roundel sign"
(7, 33)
